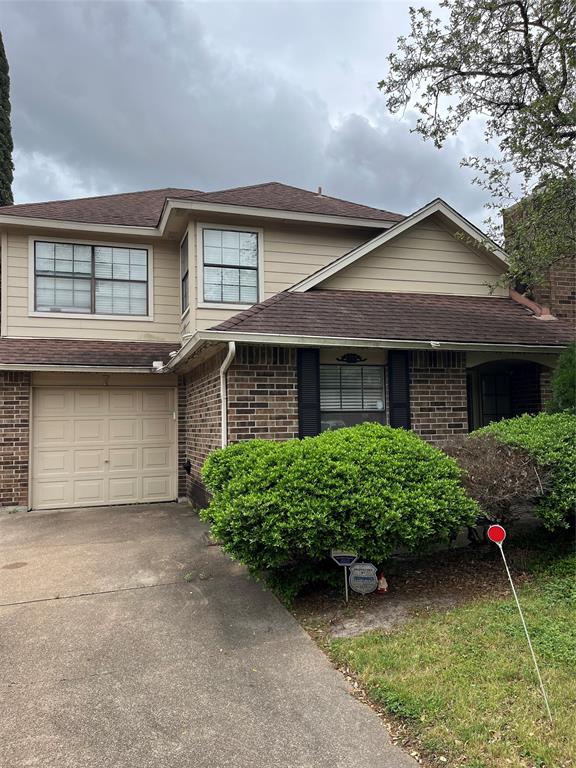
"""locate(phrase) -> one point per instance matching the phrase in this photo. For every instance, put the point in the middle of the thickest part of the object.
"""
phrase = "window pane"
(45, 250)
(140, 257)
(138, 273)
(230, 256)
(183, 257)
(44, 264)
(248, 295)
(352, 388)
(120, 298)
(248, 277)
(213, 237)
(212, 255)
(212, 292)
(213, 275)
(62, 294)
(103, 262)
(231, 240)
(230, 293)
(231, 276)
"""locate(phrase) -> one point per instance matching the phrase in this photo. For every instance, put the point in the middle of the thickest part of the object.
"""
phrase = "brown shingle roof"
(143, 209)
(399, 316)
(66, 352)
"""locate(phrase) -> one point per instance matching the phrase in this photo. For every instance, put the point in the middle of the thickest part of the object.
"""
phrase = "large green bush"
(550, 438)
(367, 488)
(564, 382)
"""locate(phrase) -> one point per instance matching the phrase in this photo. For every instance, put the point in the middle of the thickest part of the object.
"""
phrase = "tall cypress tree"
(6, 145)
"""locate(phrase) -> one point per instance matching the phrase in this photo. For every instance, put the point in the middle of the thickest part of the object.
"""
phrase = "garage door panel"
(156, 458)
(90, 401)
(155, 487)
(52, 494)
(89, 461)
(88, 491)
(125, 401)
(109, 445)
(157, 430)
(154, 400)
(124, 430)
(50, 432)
(52, 461)
(124, 490)
(123, 459)
(90, 431)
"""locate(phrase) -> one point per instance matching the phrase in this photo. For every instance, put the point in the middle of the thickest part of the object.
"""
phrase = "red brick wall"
(202, 415)
(263, 394)
(438, 403)
(559, 291)
(14, 438)
(181, 436)
(545, 387)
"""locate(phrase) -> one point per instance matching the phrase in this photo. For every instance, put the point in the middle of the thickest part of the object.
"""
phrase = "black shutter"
(399, 388)
(309, 392)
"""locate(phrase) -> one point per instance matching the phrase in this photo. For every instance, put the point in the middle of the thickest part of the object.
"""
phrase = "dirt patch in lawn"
(417, 585)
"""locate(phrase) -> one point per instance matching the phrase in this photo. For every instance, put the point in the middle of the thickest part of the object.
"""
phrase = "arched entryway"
(503, 389)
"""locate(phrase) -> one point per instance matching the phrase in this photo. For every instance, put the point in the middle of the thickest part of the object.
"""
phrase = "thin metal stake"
(346, 582)
(499, 544)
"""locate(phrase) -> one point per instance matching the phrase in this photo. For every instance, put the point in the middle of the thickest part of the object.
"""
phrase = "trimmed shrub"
(564, 382)
(504, 479)
(550, 438)
(368, 488)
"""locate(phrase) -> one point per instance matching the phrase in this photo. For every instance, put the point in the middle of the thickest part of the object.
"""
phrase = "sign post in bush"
(345, 559)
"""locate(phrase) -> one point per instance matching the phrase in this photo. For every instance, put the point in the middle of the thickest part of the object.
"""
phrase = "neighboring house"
(141, 331)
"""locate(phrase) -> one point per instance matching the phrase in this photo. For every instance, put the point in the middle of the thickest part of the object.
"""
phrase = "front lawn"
(463, 682)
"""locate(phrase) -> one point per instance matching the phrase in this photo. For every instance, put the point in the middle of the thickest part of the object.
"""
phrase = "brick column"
(263, 394)
(14, 438)
(438, 401)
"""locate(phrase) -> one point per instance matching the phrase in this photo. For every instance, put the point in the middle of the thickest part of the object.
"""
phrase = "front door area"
(103, 445)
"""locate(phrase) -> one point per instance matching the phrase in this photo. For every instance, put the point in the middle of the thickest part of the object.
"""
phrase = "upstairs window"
(230, 266)
(351, 394)
(90, 279)
(184, 270)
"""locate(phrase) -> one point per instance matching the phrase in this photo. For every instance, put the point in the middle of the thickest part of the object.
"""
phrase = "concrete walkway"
(108, 657)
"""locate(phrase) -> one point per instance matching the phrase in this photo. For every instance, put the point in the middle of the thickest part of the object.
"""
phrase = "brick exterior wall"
(202, 421)
(263, 394)
(438, 402)
(545, 387)
(14, 438)
(182, 413)
(559, 291)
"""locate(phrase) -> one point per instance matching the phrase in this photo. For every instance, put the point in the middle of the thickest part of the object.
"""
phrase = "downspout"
(224, 390)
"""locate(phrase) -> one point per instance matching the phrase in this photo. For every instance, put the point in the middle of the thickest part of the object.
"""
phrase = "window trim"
(384, 409)
(187, 234)
(200, 227)
(32, 312)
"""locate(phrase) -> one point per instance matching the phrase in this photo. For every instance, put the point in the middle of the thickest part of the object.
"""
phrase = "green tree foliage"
(550, 438)
(6, 145)
(370, 488)
(564, 382)
(513, 64)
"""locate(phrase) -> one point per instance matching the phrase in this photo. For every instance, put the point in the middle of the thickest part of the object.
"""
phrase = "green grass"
(464, 683)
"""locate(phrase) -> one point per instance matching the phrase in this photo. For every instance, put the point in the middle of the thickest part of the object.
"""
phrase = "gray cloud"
(120, 96)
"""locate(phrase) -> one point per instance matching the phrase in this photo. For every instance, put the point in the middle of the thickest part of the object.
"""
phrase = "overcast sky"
(121, 96)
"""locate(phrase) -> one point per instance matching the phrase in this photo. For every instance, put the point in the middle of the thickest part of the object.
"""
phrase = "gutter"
(72, 368)
(224, 390)
(293, 340)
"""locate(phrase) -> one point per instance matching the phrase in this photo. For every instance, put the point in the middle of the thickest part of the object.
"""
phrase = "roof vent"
(319, 193)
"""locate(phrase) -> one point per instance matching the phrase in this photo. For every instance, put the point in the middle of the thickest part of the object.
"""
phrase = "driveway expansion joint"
(91, 594)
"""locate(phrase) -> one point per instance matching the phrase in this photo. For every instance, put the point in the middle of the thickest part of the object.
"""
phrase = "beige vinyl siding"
(426, 259)
(165, 325)
(291, 253)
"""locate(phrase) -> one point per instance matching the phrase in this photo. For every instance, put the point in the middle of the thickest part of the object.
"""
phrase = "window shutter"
(309, 392)
(399, 388)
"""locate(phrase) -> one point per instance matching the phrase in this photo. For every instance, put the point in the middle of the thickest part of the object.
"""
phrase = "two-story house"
(140, 331)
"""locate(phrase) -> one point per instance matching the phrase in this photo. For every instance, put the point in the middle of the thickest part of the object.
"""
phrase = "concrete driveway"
(108, 657)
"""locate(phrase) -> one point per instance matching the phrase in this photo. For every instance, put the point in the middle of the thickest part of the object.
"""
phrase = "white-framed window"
(351, 394)
(184, 274)
(230, 265)
(85, 279)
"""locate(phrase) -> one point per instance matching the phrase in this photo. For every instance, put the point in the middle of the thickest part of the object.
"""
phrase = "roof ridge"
(250, 186)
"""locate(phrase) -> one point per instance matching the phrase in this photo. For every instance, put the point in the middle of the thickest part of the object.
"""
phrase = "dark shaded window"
(351, 394)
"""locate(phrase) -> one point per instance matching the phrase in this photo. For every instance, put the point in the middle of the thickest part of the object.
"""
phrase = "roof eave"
(267, 213)
(70, 367)
(297, 340)
(44, 223)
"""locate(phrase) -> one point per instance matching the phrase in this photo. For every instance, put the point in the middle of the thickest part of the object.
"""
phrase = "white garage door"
(106, 445)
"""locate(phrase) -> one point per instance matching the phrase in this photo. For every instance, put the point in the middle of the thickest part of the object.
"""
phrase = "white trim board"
(436, 206)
